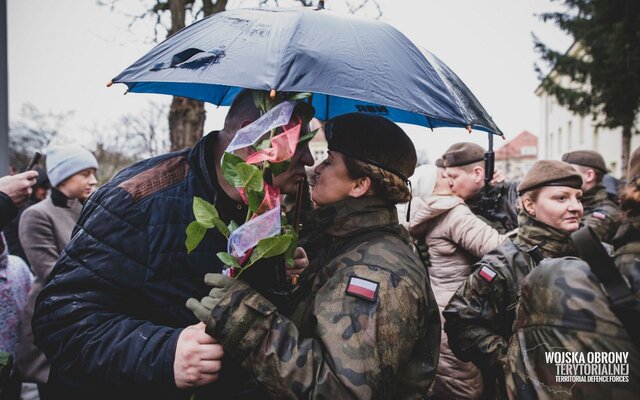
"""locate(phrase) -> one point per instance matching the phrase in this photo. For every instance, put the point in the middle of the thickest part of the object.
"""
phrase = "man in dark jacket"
(464, 163)
(112, 320)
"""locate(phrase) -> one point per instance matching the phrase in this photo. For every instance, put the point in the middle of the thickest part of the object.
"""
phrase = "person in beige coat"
(45, 229)
(456, 239)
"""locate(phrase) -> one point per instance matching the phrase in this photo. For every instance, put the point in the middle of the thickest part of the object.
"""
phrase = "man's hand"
(497, 177)
(300, 262)
(18, 187)
(202, 309)
(198, 358)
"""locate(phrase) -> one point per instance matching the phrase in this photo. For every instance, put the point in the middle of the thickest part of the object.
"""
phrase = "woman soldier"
(480, 315)
(564, 309)
(367, 325)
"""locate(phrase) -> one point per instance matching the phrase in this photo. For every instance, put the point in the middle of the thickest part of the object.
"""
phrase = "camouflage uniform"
(336, 345)
(481, 313)
(601, 213)
(503, 215)
(563, 308)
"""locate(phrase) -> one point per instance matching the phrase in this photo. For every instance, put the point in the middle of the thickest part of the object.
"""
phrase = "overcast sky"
(63, 52)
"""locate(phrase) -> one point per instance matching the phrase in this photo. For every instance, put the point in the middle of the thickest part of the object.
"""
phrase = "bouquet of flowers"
(265, 231)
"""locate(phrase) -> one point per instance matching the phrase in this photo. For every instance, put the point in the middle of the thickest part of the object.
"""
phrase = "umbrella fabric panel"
(302, 50)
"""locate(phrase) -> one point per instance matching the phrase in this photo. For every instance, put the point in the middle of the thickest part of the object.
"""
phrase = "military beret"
(634, 165)
(372, 139)
(464, 153)
(439, 163)
(550, 173)
(586, 158)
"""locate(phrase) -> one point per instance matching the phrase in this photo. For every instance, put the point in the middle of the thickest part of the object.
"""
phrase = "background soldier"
(601, 212)
(480, 315)
(464, 163)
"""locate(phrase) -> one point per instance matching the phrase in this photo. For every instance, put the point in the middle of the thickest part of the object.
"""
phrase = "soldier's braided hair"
(384, 184)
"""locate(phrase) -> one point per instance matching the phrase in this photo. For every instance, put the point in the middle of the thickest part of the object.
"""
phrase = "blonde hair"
(384, 184)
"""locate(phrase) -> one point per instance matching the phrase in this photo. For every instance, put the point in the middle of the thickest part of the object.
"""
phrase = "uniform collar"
(351, 215)
(553, 242)
(594, 195)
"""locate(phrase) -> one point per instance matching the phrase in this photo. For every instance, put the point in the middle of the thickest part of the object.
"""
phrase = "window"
(528, 151)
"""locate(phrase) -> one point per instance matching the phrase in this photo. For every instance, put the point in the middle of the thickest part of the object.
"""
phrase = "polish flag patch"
(599, 215)
(362, 288)
(487, 273)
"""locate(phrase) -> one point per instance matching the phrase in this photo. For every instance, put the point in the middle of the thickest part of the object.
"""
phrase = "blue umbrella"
(348, 64)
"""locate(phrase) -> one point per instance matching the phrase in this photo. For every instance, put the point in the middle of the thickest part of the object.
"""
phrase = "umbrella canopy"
(350, 64)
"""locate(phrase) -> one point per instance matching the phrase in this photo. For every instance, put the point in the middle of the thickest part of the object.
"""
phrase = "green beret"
(372, 139)
(634, 166)
(586, 158)
(550, 173)
(463, 153)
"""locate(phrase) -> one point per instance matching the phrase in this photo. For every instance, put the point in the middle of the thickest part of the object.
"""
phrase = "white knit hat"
(64, 161)
(423, 180)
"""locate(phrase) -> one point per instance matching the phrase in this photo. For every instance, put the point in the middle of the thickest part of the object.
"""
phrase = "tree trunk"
(626, 147)
(186, 116)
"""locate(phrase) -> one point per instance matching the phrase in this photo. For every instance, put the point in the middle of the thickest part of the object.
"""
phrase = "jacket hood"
(431, 208)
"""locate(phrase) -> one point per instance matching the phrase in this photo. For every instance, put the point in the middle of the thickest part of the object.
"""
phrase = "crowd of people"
(458, 298)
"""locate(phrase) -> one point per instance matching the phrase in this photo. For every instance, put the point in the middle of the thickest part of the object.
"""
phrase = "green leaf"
(308, 136)
(229, 162)
(288, 254)
(195, 234)
(204, 212)
(228, 259)
(265, 144)
(254, 199)
(233, 225)
(221, 227)
(300, 96)
(278, 168)
(249, 177)
(273, 246)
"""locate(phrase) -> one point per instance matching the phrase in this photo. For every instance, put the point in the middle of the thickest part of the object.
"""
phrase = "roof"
(523, 146)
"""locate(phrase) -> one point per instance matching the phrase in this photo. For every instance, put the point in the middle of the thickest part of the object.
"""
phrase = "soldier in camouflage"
(366, 323)
(563, 308)
(464, 163)
(480, 315)
(601, 212)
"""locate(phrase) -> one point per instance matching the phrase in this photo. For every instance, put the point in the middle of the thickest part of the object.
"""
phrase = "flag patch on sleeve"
(362, 288)
(599, 215)
(487, 273)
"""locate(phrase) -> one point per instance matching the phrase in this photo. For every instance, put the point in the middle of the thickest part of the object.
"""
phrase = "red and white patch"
(362, 288)
(599, 215)
(487, 273)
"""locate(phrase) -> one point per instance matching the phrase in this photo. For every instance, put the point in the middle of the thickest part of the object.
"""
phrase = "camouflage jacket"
(366, 325)
(601, 213)
(480, 315)
(502, 214)
(564, 309)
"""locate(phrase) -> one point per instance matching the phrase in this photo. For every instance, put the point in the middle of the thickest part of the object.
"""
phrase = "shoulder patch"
(160, 176)
(362, 288)
(599, 215)
(487, 273)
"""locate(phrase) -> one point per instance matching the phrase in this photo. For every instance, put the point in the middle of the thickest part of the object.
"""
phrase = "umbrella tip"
(272, 94)
(110, 83)
(320, 5)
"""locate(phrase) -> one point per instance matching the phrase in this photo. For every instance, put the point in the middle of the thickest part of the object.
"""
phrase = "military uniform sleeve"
(471, 317)
(354, 350)
(604, 222)
(87, 319)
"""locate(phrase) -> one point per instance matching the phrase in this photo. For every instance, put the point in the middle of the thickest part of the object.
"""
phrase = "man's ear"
(590, 176)
(478, 174)
(360, 187)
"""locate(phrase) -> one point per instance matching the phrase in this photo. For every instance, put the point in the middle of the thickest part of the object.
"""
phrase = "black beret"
(586, 158)
(463, 153)
(550, 173)
(372, 139)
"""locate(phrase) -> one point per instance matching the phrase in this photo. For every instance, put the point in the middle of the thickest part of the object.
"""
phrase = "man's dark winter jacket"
(110, 316)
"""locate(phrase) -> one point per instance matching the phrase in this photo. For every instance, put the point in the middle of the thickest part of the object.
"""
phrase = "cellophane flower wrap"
(265, 232)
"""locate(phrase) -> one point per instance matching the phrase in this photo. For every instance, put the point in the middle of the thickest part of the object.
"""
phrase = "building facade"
(515, 158)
